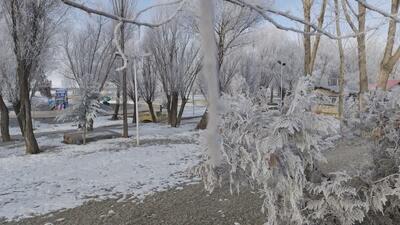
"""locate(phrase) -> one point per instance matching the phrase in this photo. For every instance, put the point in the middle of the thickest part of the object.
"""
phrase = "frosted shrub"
(381, 121)
(280, 153)
(335, 201)
(276, 152)
(87, 107)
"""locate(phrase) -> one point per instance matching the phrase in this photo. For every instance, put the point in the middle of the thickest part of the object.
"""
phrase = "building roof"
(390, 84)
(334, 90)
(327, 91)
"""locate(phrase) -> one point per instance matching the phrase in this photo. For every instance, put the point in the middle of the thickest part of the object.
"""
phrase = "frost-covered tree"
(87, 107)
(311, 47)
(9, 88)
(89, 51)
(177, 62)
(132, 71)
(148, 82)
(9, 83)
(276, 154)
(124, 9)
(31, 25)
(261, 67)
(4, 112)
(231, 25)
(6, 63)
(281, 154)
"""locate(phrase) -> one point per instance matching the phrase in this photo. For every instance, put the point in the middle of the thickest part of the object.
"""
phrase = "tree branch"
(379, 11)
(127, 20)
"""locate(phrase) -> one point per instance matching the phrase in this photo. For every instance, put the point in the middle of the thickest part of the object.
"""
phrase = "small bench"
(77, 136)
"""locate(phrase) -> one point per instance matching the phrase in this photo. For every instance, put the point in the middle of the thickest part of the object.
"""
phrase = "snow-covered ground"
(54, 127)
(65, 176)
(102, 121)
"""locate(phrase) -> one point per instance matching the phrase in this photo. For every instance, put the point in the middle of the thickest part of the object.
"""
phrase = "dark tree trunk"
(84, 134)
(116, 108)
(124, 105)
(182, 108)
(271, 98)
(90, 125)
(283, 93)
(151, 110)
(169, 109)
(5, 121)
(31, 144)
(174, 109)
(202, 125)
(134, 112)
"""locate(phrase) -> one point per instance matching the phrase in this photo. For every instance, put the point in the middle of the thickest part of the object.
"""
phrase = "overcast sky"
(294, 7)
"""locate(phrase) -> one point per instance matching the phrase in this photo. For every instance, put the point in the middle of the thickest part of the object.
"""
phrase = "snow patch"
(66, 178)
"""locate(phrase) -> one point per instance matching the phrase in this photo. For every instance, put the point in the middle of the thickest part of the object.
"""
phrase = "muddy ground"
(190, 205)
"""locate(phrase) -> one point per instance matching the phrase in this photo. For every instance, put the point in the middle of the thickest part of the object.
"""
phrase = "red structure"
(390, 84)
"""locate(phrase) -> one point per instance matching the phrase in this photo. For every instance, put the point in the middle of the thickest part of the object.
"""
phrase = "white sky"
(294, 7)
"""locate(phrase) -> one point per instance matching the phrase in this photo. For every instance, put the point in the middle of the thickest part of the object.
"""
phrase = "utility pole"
(137, 103)
(134, 58)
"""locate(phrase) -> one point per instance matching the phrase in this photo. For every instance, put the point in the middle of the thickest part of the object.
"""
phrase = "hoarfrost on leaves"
(280, 154)
(88, 105)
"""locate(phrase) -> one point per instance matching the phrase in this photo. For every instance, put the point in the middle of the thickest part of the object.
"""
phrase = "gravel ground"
(190, 205)
(351, 155)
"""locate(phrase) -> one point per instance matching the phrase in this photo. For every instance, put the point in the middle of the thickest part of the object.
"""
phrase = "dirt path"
(351, 155)
(191, 205)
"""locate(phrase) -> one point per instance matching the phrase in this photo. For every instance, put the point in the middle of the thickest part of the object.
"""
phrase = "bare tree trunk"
(29, 137)
(202, 125)
(271, 97)
(84, 133)
(134, 112)
(310, 52)
(362, 56)
(174, 109)
(5, 121)
(117, 104)
(151, 110)
(383, 76)
(124, 105)
(307, 37)
(361, 49)
(169, 109)
(341, 57)
(181, 109)
(389, 59)
(314, 50)
(90, 126)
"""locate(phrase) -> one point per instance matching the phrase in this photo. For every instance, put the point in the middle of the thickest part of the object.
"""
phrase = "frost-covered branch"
(122, 20)
(263, 11)
(379, 11)
(117, 44)
(133, 20)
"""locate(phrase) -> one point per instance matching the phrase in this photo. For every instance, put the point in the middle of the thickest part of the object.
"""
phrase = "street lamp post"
(136, 91)
(136, 103)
